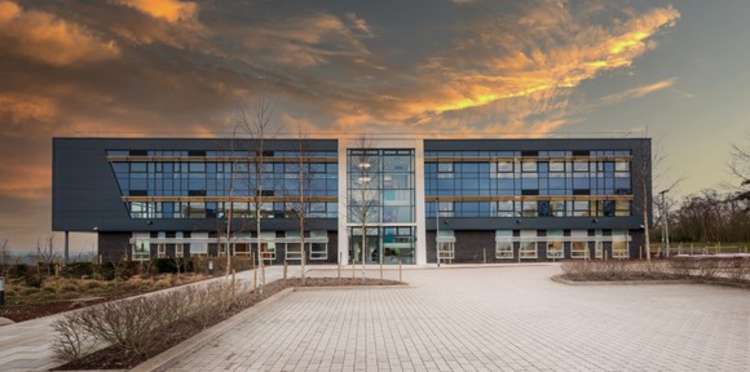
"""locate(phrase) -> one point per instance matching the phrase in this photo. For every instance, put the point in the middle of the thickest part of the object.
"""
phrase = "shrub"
(78, 270)
(165, 265)
(93, 284)
(130, 325)
(69, 287)
(34, 280)
(20, 270)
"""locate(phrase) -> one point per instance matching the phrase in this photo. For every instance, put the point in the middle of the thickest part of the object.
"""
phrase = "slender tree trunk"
(301, 216)
(647, 235)
(228, 247)
(364, 242)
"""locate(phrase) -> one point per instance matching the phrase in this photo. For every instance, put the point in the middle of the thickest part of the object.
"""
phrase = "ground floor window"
(620, 244)
(528, 248)
(161, 250)
(578, 249)
(268, 246)
(141, 250)
(504, 244)
(318, 245)
(555, 244)
(386, 244)
(579, 244)
(446, 245)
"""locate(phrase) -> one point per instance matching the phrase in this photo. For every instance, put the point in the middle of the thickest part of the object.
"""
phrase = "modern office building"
(464, 200)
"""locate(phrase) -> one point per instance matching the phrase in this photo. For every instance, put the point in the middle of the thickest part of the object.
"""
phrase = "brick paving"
(27, 346)
(490, 319)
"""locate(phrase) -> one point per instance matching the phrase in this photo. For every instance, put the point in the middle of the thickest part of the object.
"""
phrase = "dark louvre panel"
(138, 153)
(196, 153)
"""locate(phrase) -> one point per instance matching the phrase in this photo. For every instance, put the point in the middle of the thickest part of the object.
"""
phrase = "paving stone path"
(26, 346)
(489, 319)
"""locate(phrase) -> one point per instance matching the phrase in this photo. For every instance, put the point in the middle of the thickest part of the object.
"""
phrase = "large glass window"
(528, 248)
(555, 244)
(381, 192)
(504, 244)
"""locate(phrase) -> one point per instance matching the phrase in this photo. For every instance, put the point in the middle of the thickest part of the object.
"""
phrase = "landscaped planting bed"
(141, 328)
(734, 271)
(34, 291)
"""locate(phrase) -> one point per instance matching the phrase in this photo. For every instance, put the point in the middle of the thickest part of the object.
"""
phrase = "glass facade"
(528, 183)
(210, 176)
(381, 196)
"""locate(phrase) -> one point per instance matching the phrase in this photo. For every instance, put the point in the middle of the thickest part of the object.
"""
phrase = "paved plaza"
(496, 318)
(27, 346)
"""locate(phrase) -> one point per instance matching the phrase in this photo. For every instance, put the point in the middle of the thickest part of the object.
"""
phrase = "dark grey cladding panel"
(540, 223)
(85, 194)
(548, 144)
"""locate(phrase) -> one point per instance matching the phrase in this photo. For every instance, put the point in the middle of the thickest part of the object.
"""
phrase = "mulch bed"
(20, 313)
(114, 357)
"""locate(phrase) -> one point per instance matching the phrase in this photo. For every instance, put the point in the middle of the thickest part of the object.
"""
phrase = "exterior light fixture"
(364, 165)
(363, 179)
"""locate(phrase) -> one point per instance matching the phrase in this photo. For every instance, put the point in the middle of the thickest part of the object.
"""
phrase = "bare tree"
(299, 208)
(45, 253)
(649, 175)
(739, 167)
(4, 257)
(364, 189)
(256, 123)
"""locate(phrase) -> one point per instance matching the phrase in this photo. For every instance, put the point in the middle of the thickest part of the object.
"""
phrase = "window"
(608, 208)
(579, 244)
(505, 166)
(622, 208)
(555, 244)
(529, 209)
(161, 250)
(529, 166)
(505, 209)
(446, 209)
(557, 208)
(543, 207)
(445, 167)
(141, 250)
(620, 244)
(528, 248)
(581, 208)
(504, 244)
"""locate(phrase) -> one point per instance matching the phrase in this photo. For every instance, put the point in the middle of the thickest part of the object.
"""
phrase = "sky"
(673, 71)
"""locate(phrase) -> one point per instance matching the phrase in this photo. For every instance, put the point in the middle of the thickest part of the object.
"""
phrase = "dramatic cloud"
(638, 92)
(44, 37)
(168, 10)
(178, 68)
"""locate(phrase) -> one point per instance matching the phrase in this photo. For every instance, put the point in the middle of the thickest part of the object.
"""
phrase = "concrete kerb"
(561, 280)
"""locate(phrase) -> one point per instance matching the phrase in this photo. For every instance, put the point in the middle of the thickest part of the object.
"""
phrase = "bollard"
(2, 290)
(211, 267)
(484, 255)
(400, 273)
(286, 265)
(338, 267)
